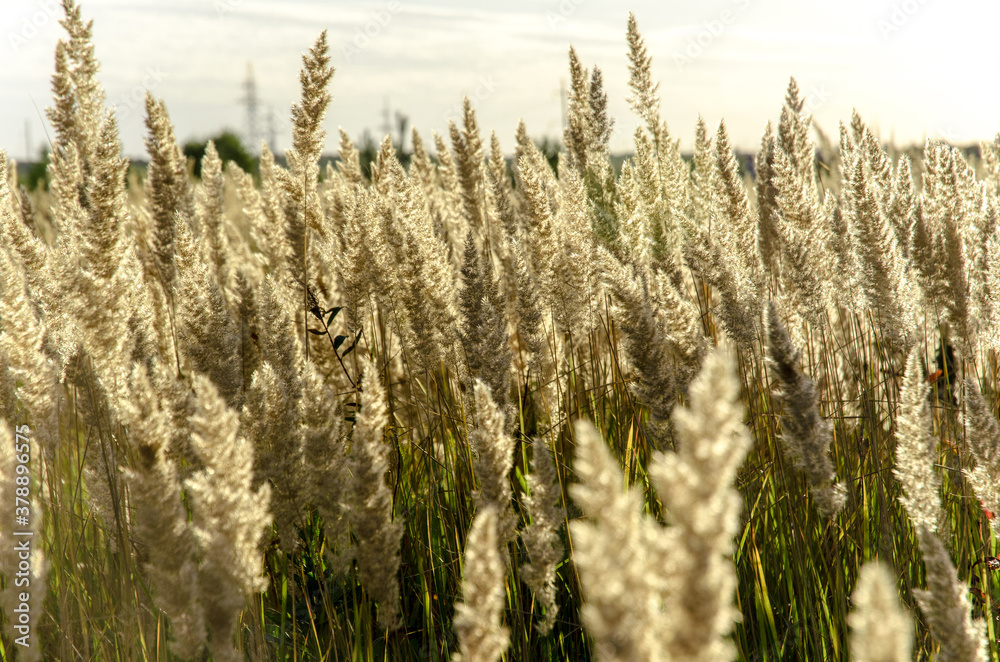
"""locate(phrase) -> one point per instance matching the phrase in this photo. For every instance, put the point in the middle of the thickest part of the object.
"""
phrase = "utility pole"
(250, 102)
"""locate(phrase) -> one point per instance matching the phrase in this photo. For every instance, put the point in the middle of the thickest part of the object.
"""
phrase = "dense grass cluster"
(476, 408)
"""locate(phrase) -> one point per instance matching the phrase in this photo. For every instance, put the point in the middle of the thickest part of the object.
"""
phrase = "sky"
(913, 69)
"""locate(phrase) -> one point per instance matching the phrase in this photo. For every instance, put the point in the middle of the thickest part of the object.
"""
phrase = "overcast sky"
(913, 68)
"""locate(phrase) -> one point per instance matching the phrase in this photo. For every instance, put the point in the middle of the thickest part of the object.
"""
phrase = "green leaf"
(333, 313)
(353, 344)
(317, 332)
(338, 341)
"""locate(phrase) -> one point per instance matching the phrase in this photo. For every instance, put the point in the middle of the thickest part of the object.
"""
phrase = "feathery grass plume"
(207, 334)
(927, 257)
(541, 537)
(96, 287)
(167, 187)
(561, 246)
(450, 199)
(78, 98)
(370, 510)
(307, 123)
(270, 413)
(483, 329)
(496, 170)
(8, 387)
(916, 450)
(244, 315)
(586, 137)
(881, 631)
(382, 181)
(617, 553)
(210, 213)
(990, 152)
(500, 187)
(276, 339)
(703, 176)
(734, 205)
(844, 254)
(991, 313)
(599, 176)
(727, 256)
(422, 282)
(984, 442)
(664, 183)
(30, 373)
(229, 518)
(884, 278)
(574, 271)
(527, 149)
(359, 240)
(423, 169)
(635, 241)
(662, 338)
(501, 210)
(349, 164)
(303, 205)
(880, 167)
(29, 248)
(493, 458)
(151, 322)
(769, 241)
(903, 208)
(160, 520)
(265, 207)
(579, 114)
(696, 485)
(804, 238)
(806, 436)
(468, 146)
(528, 309)
(949, 186)
(270, 424)
(793, 138)
(946, 605)
(644, 97)
(324, 452)
(981, 229)
(540, 228)
(478, 618)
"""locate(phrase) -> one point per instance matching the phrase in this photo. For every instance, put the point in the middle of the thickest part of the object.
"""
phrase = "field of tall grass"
(477, 410)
